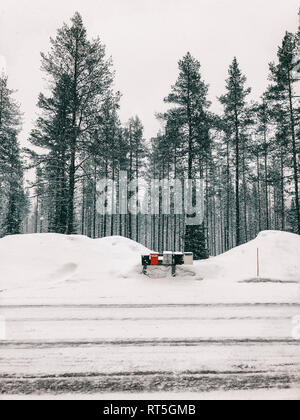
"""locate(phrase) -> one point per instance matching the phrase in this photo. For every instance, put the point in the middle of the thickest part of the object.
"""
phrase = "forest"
(247, 156)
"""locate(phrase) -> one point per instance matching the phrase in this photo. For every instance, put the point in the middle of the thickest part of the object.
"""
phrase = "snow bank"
(27, 259)
(53, 268)
(279, 260)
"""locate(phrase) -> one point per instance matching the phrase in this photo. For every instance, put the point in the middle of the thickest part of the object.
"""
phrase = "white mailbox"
(188, 258)
(167, 258)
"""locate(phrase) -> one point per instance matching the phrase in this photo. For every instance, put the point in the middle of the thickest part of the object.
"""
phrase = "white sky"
(146, 38)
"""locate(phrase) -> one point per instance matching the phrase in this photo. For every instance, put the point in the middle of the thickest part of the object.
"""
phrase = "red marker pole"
(258, 270)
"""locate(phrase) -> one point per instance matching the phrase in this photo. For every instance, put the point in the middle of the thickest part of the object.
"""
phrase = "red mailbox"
(154, 259)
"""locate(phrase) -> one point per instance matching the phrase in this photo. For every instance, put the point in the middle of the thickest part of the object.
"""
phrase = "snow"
(54, 257)
(3, 65)
(279, 256)
(53, 268)
(75, 307)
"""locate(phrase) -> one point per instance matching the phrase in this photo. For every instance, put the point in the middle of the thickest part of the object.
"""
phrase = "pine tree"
(282, 93)
(292, 218)
(105, 152)
(133, 136)
(13, 201)
(189, 94)
(52, 134)
(80, 77)
(234, 110)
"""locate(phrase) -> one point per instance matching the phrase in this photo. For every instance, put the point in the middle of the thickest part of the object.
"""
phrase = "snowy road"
(149, 348)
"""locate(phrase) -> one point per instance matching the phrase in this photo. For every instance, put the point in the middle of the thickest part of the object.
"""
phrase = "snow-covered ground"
(81, 319)
(51, 268)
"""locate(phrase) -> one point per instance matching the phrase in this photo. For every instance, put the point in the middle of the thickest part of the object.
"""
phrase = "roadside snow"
(279, 258)
(59, 269)
(54, 258)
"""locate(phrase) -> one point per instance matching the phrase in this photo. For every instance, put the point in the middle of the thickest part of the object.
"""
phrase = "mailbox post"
(167, 259)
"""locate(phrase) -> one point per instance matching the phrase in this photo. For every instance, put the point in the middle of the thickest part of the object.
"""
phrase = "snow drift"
(279, 260)
(26, 259)
(57, 268)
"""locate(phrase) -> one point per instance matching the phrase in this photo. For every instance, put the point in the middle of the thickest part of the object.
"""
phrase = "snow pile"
(279, 260)
(53, 268)
(43, 258)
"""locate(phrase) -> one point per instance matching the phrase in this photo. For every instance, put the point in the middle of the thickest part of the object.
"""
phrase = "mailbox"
(154, 259)
(167, 258)
(188, 258)
(145, 260)
(178, 258)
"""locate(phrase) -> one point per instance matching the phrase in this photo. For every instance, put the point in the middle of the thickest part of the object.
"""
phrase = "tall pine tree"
(189, 94)
(14, 205)
(79, 78)
(234, 110)
(282, 92)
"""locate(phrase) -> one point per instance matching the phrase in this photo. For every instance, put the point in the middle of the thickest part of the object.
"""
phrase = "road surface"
(199, 348)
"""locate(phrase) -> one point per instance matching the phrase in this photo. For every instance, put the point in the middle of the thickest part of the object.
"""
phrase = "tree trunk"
(282, 191)
(237, 181)
(258, 193)
(295, 164)
(266, 187)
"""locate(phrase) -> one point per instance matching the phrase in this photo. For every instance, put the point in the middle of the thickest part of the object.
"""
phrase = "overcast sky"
(146, 38)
